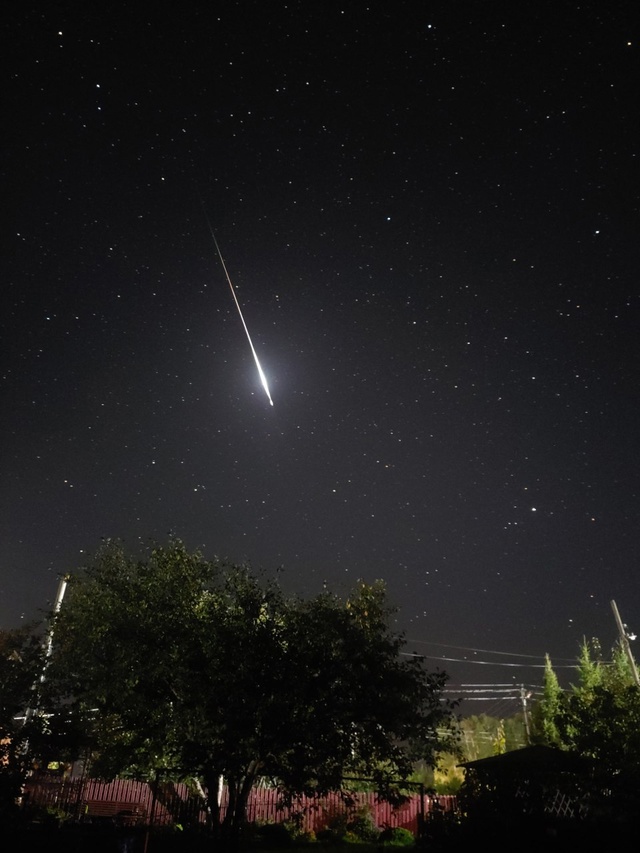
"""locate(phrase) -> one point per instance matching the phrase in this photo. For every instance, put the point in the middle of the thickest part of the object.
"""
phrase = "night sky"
(429, 213)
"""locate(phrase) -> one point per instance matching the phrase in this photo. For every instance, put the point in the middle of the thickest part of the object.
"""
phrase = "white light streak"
(263, 378)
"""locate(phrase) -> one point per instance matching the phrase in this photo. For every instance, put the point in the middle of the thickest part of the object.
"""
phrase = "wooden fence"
(166, 803)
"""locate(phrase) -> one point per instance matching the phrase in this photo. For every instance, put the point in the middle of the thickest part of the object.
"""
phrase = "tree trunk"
(229, 823)
(212, 781)
(239, 791)
(242, 799)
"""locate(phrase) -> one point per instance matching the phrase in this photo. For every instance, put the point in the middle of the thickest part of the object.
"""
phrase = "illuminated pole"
(524, 695)
(62, 586)
(624, 639)
(30, 712)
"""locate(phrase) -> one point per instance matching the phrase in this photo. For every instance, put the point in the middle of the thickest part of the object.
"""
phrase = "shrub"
(355, 827)
(275, 835)
(361, 825)
(396, 836)
(329, 835)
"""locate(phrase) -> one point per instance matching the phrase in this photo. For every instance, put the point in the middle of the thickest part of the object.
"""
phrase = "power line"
(496, 686)
(483, 651)
(505, 684)
(488, 662)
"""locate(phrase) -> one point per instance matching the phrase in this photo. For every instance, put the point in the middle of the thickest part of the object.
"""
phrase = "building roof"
(536, 758)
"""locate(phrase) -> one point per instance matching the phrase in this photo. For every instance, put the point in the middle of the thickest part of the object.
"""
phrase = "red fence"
(169, 802)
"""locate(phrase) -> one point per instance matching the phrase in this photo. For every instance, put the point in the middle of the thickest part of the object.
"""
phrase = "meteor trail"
(263, 378)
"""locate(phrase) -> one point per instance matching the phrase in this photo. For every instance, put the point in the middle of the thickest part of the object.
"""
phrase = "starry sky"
(429, 214)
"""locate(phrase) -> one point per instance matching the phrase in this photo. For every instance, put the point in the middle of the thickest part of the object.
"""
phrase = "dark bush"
(396, 836)
(362, 826)
(275, 835)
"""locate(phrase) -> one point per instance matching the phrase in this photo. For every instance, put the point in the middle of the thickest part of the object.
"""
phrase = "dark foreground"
(524, 838)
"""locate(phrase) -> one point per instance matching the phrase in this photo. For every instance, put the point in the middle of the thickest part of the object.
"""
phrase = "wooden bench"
(128, 814)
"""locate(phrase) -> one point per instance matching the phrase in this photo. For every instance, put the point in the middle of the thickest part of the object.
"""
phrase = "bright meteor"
(263, 378)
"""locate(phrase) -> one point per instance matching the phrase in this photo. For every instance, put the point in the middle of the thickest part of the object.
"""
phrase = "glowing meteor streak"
(263, 378)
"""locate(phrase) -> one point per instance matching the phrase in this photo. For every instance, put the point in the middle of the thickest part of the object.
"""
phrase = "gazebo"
(536, 782)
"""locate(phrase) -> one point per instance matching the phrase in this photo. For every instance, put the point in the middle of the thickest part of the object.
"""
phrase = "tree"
(601, 715)
(21, 665)
(545, 712)
(198, 668)
(599, 718)
(483, 735)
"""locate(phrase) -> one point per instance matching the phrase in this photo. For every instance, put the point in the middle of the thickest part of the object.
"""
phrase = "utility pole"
(62, 586)
(624, 639)
(524, 695)
(32, 711)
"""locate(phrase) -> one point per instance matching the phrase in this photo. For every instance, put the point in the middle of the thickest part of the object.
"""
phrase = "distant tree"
(483, 735)
(445, 778)
(592, 669)
(478, 731)
(515, 731)
(197, 668)
(545, 711)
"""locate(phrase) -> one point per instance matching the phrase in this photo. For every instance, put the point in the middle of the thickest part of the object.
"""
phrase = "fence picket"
(175, 803)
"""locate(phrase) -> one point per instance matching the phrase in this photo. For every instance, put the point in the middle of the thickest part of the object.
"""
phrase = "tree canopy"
(199, 668)
(599, 718)
(21, 666)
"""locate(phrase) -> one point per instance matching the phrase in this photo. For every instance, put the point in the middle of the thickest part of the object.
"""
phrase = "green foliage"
(599, 718)
(345, 666)
(396, 836)
(362, 826)
(49, 816)
(350, 826)
(448, 777)
(22, 656)
(482, 735)
(276, 835)
(168, 839)
(204, 669)
(543, 718)
(299, 836)
(440, 830)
